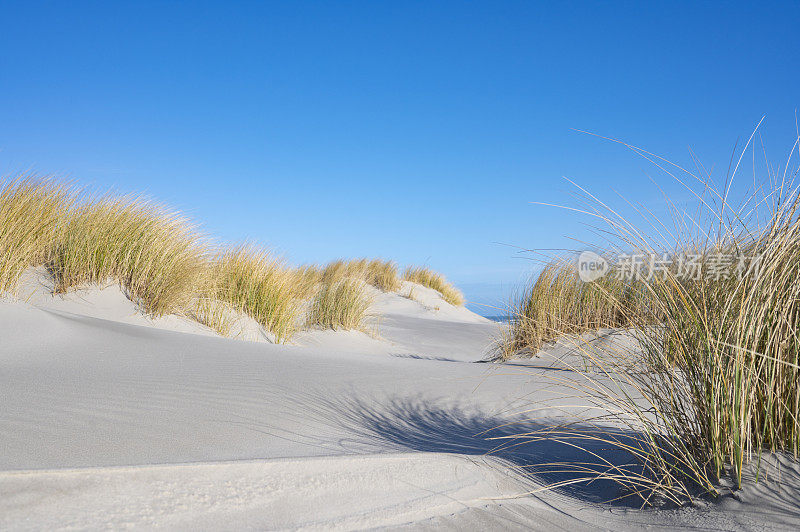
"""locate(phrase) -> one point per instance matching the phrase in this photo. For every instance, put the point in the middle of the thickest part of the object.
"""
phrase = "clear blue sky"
(417, 131)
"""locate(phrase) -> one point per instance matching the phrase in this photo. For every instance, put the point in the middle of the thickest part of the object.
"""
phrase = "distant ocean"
(491, 312)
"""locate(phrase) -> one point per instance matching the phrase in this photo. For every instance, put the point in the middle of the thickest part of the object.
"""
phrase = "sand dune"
(381, 490)
(110, 419)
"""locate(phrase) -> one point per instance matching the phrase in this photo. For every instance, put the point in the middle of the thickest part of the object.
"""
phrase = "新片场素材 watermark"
(645, 266)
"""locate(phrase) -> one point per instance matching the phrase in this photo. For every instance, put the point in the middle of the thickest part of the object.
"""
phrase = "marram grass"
(342, 304)
(155, 254)
(32, 218)
(431, 279)
(714, 378)
(376, 272)
(167, 266)
(262, 286)
(559, 303)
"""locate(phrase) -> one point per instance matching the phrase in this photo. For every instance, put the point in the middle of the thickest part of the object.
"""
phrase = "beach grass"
(713, 379)
(340, 304)
(32, 213)
(167, 266)
(214, 314)
(436, 281)
(558, 302)
(381, 274)
(261, 285)
(157, 255)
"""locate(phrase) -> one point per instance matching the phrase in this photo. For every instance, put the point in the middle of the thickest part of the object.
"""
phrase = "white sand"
(109, 419)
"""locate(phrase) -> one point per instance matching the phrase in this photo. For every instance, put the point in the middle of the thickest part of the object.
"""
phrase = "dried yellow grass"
(32, 213)
(342, 304)
(376, 272)
(431, 279)
(158, 257)
(155, 254)
(308, 278)
(214, 314)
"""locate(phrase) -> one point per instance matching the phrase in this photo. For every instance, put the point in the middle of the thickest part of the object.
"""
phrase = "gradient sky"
(416, 131)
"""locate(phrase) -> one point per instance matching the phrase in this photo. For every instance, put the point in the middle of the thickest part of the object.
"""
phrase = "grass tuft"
(260, 285)
(165, 265)
(156, 255)
(382, 275)
(32, 213)
(431, 279)
(376, 272)
(342, 304)
(559, 303)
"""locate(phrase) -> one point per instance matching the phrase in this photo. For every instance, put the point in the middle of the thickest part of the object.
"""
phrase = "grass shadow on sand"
(570, 466)
(413, 424)
(771, 493)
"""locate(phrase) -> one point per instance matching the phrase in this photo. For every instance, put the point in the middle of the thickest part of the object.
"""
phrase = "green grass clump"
(736, 344)
(431, 279)
(261, 286)
(558, 302)
(713, 379)
(342, 304)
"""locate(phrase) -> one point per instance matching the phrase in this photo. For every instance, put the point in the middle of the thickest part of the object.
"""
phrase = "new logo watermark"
(592, 266)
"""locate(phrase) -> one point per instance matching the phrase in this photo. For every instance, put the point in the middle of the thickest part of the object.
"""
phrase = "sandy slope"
(122, 422)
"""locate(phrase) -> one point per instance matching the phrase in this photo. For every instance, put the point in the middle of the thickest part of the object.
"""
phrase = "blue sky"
(417, 131)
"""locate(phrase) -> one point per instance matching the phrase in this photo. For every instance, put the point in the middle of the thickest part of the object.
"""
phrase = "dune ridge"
(167, 267)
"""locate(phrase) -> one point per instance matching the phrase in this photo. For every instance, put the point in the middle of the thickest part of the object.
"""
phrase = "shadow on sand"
(537, 451)
(554, 456)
